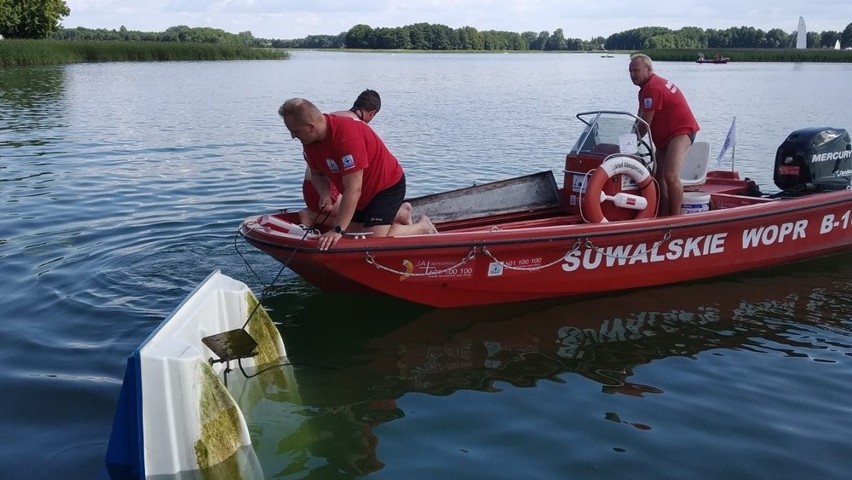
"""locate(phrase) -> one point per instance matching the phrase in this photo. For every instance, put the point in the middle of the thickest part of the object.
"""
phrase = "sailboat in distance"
(801, 35)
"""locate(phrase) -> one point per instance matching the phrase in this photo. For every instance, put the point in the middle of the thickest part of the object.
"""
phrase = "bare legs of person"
(403, 216)
(310, 218)
(306, 216)
(421, 227)
(669, 162)
(404, 224)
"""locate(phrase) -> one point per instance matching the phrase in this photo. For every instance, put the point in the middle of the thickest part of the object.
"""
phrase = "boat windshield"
(609, 132)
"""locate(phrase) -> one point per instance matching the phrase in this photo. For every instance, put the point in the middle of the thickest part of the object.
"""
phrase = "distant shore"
(56, 52)
(53, 52)
(753, 55)
(815, 55)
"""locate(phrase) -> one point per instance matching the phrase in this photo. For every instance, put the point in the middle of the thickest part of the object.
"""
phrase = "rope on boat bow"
(410, 273)
(535, 268)
(267, 289)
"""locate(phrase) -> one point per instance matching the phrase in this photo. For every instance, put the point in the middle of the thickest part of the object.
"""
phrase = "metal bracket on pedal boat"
(535, 268)
(409, 272)
(666, 237)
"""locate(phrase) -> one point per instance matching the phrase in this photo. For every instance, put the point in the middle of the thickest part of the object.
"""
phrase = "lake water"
(123, 185)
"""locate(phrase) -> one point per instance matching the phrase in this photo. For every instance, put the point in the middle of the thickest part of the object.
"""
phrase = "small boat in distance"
(716, 59)
(526, 239)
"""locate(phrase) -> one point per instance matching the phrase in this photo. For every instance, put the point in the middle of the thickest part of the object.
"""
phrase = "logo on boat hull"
(409, 267)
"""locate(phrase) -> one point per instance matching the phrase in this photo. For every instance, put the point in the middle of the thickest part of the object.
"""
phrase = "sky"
(583, 19)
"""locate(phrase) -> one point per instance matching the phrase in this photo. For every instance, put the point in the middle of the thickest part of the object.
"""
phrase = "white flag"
(730, 140)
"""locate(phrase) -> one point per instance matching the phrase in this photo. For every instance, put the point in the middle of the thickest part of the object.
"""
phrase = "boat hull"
(557, 256)
(177, 415)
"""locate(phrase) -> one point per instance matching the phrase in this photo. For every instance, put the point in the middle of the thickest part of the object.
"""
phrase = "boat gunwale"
(583, 231)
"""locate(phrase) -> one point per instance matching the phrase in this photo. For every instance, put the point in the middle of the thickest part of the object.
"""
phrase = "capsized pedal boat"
(177, 416)
(526, 238)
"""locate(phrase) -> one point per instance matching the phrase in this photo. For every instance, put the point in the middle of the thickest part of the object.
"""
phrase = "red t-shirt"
(672, 115)
(351, 145)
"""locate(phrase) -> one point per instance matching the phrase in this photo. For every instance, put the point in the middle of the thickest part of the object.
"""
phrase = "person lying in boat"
(365, 108)
(348, 154)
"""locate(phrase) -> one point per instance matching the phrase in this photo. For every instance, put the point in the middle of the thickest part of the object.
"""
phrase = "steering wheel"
(647, 156)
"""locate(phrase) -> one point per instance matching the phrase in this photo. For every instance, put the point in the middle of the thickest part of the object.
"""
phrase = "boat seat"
(694, 168)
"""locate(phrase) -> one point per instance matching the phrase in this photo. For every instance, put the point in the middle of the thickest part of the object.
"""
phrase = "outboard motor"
(814, 160)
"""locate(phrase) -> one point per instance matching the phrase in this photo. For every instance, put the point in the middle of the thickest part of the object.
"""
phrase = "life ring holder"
(616, 164)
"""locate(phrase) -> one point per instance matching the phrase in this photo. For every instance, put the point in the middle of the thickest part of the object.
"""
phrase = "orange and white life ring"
(616, 165)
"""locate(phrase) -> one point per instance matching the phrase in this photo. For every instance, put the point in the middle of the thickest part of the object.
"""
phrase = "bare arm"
(648, 117)
(351, 194)
(323, 188)
(348, 203)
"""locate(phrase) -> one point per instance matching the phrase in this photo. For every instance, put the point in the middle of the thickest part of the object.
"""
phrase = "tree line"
(735, 37)
(178, 33)
(425, 36)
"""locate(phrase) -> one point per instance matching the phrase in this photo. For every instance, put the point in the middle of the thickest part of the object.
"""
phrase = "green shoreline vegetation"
(34, 36)
(57, 52)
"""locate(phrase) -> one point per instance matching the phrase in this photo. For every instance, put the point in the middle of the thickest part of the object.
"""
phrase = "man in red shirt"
(673, 127)
(347, 153)
(365, 108)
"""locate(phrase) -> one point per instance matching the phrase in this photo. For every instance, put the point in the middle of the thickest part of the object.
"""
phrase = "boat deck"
(726, 191)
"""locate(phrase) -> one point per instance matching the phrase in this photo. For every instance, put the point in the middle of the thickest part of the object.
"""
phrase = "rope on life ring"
(616, 165)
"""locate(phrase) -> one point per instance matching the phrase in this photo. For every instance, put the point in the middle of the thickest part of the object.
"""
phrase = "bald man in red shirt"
(673, 127)
(347, 153)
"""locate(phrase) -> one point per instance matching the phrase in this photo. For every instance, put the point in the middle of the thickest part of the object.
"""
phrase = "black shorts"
(382, 209)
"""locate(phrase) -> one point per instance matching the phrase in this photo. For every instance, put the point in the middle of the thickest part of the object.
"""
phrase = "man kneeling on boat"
(348, 154)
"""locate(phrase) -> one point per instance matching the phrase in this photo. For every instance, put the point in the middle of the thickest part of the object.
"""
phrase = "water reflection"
(28, 102)
(31, 112)
(350, 373)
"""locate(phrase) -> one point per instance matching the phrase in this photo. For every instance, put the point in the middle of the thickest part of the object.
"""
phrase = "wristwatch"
(339, 230)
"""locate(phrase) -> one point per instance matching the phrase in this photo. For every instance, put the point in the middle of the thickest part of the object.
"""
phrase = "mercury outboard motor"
(814, 160)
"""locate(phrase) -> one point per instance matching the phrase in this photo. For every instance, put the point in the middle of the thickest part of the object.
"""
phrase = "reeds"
(53, 52)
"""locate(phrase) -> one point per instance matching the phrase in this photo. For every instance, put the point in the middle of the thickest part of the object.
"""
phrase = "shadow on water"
(353, 358)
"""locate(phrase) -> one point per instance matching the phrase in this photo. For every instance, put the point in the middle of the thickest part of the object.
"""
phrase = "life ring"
(615, 165)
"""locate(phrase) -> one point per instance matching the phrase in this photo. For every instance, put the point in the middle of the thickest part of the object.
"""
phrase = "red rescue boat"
(525, 238)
